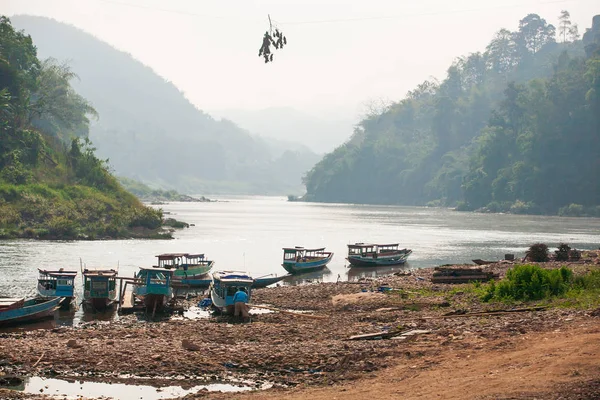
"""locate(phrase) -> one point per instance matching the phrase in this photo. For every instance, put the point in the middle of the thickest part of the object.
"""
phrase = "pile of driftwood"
(461, 274)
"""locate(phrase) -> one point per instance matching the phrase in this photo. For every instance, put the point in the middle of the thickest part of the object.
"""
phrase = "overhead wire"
(335, 20)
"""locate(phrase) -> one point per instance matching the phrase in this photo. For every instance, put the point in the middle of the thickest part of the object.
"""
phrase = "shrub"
(538, 253)
(562, 254)
(146, 217)
(520, 207)
(574, 255)
(572, 210)
(531, 282)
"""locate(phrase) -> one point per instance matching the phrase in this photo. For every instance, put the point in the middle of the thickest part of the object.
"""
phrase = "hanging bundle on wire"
(272, 37)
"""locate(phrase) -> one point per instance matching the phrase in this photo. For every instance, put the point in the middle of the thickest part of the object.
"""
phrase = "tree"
(564, 24)
(574, 33)
(55, 106)
(534, 32)
(501, 52)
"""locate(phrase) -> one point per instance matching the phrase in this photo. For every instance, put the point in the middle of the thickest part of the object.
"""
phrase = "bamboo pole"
(289, 312)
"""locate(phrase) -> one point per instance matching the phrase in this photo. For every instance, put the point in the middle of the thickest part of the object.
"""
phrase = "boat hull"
(32, 311)
(98, 304)
(294, 267)
(358, 261)
(193, 271)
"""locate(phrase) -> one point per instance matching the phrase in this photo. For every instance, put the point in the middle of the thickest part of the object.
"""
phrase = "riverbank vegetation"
(52, 186)
(511, 129)
(147, 194)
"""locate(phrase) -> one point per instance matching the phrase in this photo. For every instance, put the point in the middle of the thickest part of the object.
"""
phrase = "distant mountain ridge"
(151, 132)
(285, 123)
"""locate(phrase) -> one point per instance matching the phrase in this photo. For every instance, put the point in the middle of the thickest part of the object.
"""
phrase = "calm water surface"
(247, 233)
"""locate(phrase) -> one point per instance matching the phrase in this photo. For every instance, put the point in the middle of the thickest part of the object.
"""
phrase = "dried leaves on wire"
(271, 38)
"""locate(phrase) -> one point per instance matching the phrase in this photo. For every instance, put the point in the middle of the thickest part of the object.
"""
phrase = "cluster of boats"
(153, 287)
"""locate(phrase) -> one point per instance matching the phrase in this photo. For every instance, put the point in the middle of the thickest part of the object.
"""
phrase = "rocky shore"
(290, 353)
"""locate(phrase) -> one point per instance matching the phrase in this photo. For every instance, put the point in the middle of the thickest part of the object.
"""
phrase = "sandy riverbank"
(515, 355)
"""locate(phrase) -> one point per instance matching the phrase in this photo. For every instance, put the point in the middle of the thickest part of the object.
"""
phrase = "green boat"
(185, 265)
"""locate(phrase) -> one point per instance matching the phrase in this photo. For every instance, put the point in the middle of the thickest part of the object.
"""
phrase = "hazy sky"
(340, 56)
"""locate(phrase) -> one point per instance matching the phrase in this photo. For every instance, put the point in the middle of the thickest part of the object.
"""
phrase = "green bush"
(562, 254)
(572, 210)
(538, 253)
(145, 217)
(530, 282)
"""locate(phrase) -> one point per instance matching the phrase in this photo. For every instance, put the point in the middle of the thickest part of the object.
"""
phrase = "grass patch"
(559, 287)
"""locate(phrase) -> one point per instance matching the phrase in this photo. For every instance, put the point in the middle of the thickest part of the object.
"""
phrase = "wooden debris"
(488, 313)
(461, 274)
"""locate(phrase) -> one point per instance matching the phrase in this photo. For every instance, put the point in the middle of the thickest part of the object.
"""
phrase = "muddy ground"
(301, 356)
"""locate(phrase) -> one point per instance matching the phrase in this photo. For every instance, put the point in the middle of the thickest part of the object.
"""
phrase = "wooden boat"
(265, 281)
(223, 287)
(185, 265)
(153, 287)
(99, 288)
(375, 255)
(482, 262)
(297, 260)
(59, 283)
(17, 311)
(262, 282)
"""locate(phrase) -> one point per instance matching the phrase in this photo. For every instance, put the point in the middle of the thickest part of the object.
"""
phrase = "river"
(248, 233)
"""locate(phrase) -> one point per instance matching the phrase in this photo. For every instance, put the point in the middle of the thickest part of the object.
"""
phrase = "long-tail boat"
(99, 289)
(374, 255)
(185, 265)
(57, 283)
(153, 287)
(223, 287)
(297, 260)
(19, 311)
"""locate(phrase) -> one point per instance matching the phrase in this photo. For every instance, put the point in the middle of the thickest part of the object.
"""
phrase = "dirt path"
(541, 365)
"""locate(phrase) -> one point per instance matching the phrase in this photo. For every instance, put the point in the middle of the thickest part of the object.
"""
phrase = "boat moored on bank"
(297, 260)
(57, 283)
(223, 287)
(374, 255)
(153, 287)
(21, 311)
(185, 265)
(99, 288)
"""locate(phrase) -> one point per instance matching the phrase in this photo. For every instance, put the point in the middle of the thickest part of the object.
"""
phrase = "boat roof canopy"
(58, 273)
(99, 272)
(232, 276)
(171, 256)
(363, 245)
(297, 248)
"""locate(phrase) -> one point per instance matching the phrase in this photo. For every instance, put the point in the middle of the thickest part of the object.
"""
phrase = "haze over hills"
(514, 128)
(151, 132)
(286, 123)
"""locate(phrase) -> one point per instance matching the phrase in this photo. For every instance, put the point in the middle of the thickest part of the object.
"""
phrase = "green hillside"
(514, 128)
(149, 130)
(52, 186)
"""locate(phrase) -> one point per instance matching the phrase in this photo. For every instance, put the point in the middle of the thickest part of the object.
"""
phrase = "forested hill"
(513, 128)
(151, 132)
(52, 186)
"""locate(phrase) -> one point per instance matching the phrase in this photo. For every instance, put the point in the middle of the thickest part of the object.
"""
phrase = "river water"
(248, 233)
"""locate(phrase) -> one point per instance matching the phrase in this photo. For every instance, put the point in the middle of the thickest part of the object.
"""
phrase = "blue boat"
(59, 283)
(297, 260)
(223, 287)
(185, 265)
(262, 282)
(153, 287)
(99, 288)
(18, 311)
(376, 255)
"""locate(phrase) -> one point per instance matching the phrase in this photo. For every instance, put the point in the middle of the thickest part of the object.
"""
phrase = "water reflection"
(309, 277)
